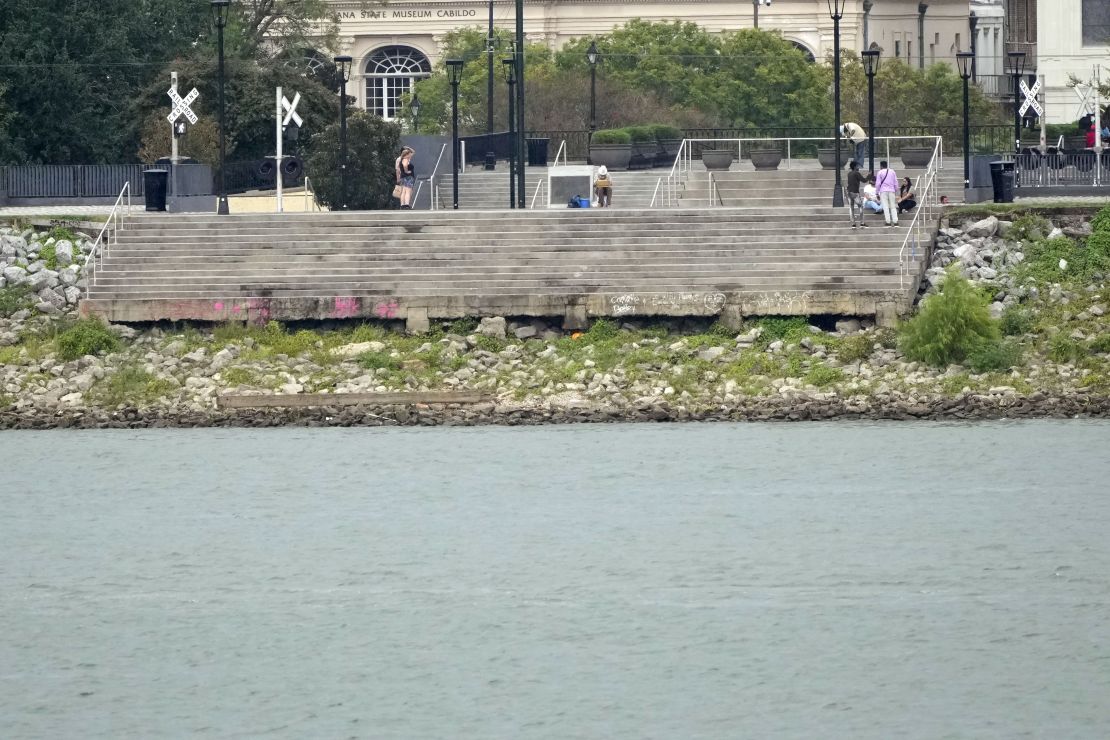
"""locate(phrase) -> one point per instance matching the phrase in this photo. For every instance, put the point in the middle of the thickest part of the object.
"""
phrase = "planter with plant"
(611, 147)
(644, 147)
(669, 139)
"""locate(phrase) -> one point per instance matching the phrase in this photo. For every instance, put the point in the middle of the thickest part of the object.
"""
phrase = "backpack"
(574, 202)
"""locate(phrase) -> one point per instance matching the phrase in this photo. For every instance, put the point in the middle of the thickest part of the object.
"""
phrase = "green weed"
(949, 325)
(823, 375)
(377, 361)
(988, 356)
(1016, 321)
(132, 386)
(855, 348)
(86, 337)
(14, 298)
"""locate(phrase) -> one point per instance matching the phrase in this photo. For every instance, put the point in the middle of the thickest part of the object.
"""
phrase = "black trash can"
(537, 152)
(1003, 179)
(155, 183)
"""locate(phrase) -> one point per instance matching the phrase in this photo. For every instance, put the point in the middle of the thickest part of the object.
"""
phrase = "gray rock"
(1056, 233)
(775, 346)
(64, 252)
(15, 275)
(996, 310)
(493, 326)
(357, 348)
(196, 355)
(848, 326)
(36, 266)
(1096, 310)
(47, 308)
(68, 276)
(123, 332)
(987, 273)
(525, 332)
(987, 227)
(72, 294)
(965, 253)
(1004, 227)
(290, 389)
(47, 295)
(711, 354)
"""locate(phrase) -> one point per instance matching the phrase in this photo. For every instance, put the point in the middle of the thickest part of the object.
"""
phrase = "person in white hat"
(603, 187)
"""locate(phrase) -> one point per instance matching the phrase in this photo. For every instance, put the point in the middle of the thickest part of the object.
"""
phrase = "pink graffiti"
(261, 309)
(218, 306)
(345, 308)
(386, 310)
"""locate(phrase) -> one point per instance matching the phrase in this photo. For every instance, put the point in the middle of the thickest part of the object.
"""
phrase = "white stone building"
(1073, 37)
(394, 43)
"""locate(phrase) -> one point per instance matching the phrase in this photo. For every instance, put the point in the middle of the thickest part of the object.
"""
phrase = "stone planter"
(613, 156)
(766, 159)
(827, 157)
(717, 159)
(668, 151)
(916, 157)
(643, 155)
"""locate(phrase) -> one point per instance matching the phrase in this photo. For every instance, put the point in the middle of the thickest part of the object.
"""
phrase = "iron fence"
(1062, 169)
(97, 180)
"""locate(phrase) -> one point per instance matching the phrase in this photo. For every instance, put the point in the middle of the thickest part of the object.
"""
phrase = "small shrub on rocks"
(464, 326)
(950, 324)
(377, 361)
(1101, 221)
(86, 337)
(49, 255)
(14, 298)
(132, 386)
(787, 328)
(991, 356)
(1030, 227)
(823, 375)
(602, 329)
(1016, 321)
(1063, 348)
(855, 348)
(1101, 344)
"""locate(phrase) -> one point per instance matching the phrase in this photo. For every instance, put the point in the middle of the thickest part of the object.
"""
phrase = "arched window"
(390, 73)
(804, 49)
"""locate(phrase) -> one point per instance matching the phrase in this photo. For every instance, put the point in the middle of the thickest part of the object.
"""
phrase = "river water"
(681, 581)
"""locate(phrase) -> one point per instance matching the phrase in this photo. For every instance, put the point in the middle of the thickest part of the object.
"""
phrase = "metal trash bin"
(155, 185)
(1003, 179)
(537, 152)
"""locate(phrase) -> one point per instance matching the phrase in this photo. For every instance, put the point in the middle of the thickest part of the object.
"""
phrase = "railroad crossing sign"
(291, 111)
(1030, 95)
(181, 105)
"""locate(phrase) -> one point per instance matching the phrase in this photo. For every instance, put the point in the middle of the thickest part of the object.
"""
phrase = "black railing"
(97, 180)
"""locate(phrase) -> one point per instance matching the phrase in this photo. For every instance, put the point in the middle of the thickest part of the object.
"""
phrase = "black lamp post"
(836, 12)
(343, 67)
(414, 106)
(219, 15)
(518, 54)
(454, 69)
(491, 156)
(510, 66)
(592, 56)
(965, 60)
(871, 59)
(973, 34)
(1015, 65)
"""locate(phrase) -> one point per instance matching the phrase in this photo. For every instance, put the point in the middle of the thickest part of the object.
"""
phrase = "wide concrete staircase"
(773, 259)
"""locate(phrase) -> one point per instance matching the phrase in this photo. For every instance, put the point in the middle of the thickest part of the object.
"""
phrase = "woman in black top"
(907, 201)
(406, 176)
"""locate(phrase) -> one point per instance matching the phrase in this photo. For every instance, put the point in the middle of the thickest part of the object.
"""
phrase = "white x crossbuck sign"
(1030, 95)
(181, 105)
(291, 110)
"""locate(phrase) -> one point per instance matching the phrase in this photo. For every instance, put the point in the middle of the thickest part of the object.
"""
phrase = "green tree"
(373, 145)
(951, 325)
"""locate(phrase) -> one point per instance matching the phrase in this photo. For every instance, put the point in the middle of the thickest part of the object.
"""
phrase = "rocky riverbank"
(58, 371)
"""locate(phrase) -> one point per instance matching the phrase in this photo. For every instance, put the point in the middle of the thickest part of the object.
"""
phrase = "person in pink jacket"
(886, 182)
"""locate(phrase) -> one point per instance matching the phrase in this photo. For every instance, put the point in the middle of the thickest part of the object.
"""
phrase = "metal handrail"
(434, 204)
(562, 151)
(655, 193)
(103, 241)
(927, 201)
(539, 187)
(307, 192)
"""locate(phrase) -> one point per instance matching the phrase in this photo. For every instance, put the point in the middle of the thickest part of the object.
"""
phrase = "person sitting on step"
(603, 187)
(907, 201)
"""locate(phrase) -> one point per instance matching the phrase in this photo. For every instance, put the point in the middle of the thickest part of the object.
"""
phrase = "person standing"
(855, 133)
(886, 183)
(855, 200)
(406, 176)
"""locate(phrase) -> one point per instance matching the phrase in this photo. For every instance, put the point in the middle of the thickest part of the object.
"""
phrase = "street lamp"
(871, 59)
(343, 67)
(510, 67)
(965, 60)
(454, 69)
(219, 15)
(592, 56)
(414, 106)
(836, 12)
(755, 9)
(491, 156)
(1015, 66)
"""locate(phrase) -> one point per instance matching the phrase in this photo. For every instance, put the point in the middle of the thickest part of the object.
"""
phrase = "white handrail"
(307, 192)
(562, 151)
(434, 205)
(104, 239)
(927, 201)
(539, 186)
(658, 184)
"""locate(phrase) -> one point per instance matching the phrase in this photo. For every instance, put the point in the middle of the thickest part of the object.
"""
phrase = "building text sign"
(407, 14)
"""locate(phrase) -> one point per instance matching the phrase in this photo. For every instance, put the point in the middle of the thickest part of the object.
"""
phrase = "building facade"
(1073, 40)
(395, 43)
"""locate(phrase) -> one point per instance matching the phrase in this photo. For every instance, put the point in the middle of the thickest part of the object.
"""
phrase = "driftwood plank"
(309, 400)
